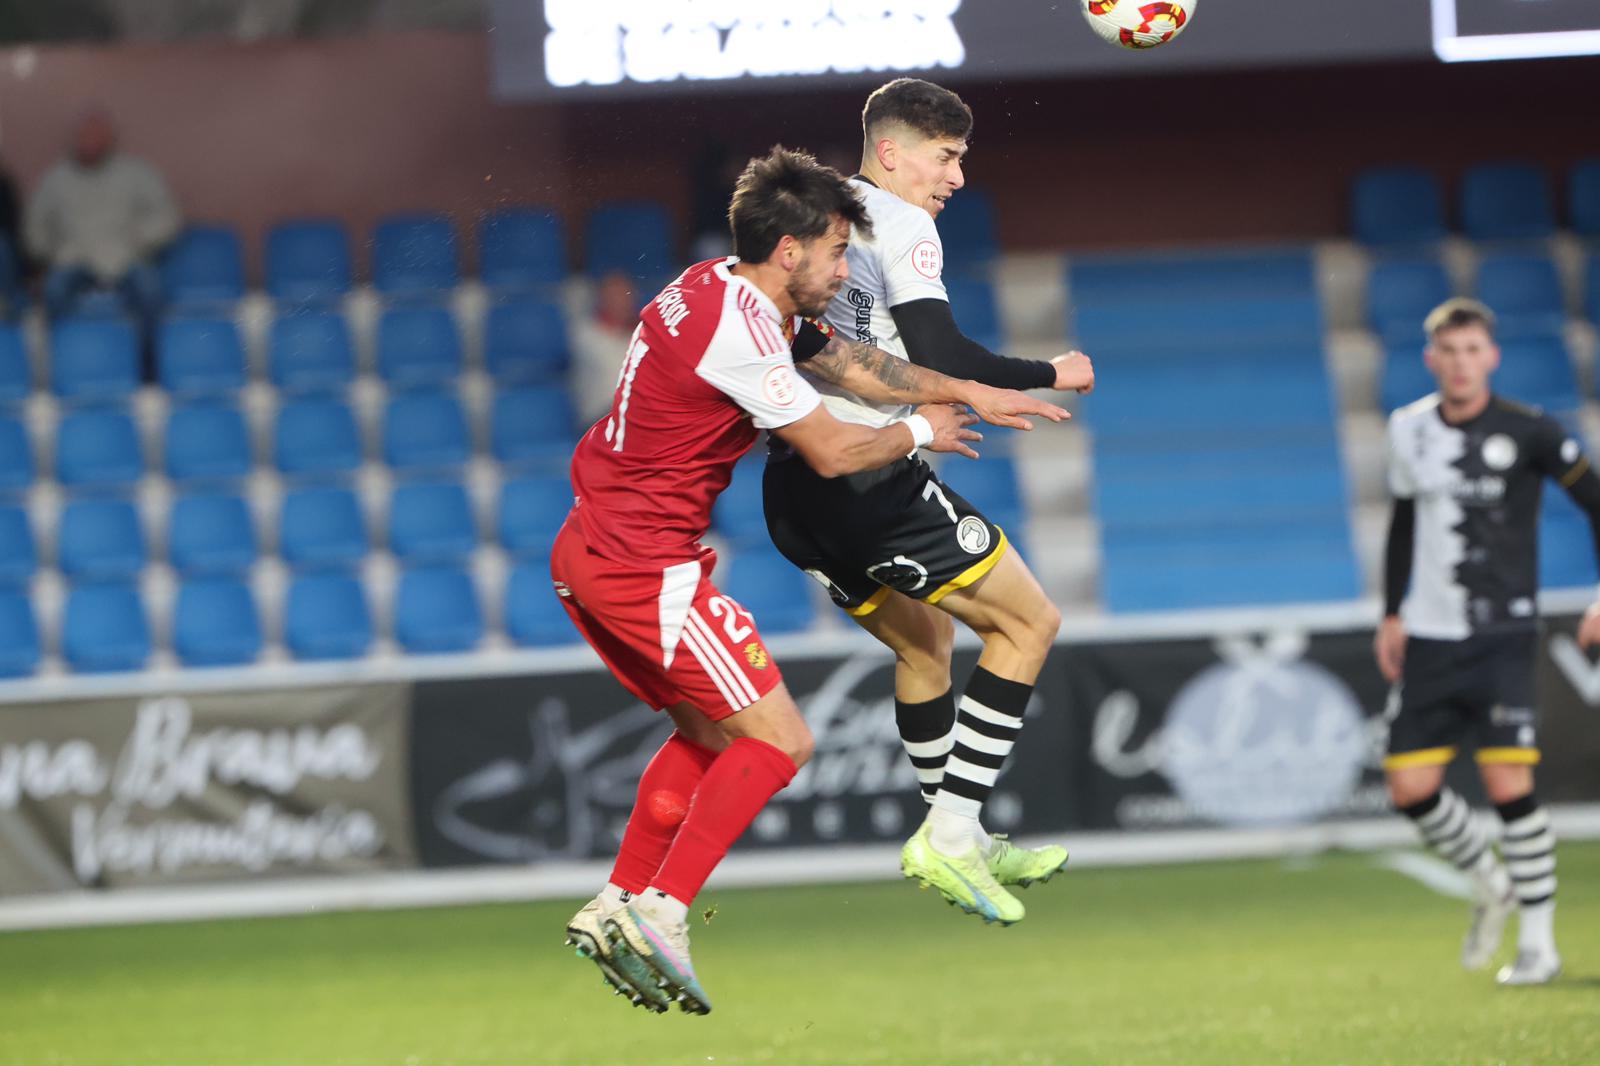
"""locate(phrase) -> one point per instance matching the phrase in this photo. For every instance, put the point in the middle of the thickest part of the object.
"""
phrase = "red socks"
(665, 789)
(734, 790)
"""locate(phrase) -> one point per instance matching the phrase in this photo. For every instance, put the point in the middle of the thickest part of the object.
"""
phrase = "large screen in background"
(1465, 30)
(588, 49)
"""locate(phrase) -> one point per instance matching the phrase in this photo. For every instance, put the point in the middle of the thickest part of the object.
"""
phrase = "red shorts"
(668, 635)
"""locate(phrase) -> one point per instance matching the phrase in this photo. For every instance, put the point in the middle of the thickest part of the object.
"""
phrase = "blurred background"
(306, 302)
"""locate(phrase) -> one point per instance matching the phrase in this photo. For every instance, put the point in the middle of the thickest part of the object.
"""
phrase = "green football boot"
(964, 880)
(1022, 867)
(626, 974)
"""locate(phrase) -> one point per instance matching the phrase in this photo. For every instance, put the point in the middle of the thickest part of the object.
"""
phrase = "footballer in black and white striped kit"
(1460, 632)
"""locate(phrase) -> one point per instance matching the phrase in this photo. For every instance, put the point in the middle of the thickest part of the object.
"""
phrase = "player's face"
(932, 172)
(1462, 360)
(822, 271)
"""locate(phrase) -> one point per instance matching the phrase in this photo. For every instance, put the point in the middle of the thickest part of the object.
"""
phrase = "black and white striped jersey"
(1477, 488)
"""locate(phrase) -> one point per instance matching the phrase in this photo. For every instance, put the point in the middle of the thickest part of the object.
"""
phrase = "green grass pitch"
(1323, 961)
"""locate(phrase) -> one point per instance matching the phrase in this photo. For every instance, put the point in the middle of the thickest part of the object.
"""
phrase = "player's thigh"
(1426, 717)
(692, 722)
(1006, 600)
(775, 719)
(1413, 784)
(918, 633)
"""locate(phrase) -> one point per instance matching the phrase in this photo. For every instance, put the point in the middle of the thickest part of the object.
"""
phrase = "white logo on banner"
(1262, 737)
(165, 763)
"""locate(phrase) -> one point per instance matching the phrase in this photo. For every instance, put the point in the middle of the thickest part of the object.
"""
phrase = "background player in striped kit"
(1466, 468)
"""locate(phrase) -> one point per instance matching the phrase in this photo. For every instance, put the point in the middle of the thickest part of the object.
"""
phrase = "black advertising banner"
(125, 791)
(523, 769)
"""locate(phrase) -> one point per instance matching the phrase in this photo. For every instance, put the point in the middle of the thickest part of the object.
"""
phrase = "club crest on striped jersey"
(1499, 452)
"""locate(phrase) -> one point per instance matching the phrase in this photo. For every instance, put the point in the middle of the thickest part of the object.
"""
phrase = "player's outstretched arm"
(833, 448)
(933, 340)
(878, 377)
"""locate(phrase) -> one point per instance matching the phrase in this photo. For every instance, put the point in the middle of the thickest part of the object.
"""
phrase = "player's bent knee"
(1410, 789)
(1504, 782)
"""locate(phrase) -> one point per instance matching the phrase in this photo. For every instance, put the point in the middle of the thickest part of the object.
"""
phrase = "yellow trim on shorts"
(1405, 760)
(873, 603)
(1518, 756)
(971, 573)
(1571, 477)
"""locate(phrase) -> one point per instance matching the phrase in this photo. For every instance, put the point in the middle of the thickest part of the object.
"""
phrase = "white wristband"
(921, 430)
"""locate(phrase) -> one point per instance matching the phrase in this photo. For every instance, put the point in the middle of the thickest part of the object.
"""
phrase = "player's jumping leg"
(769, 742)
(1529, 848)
(1018, 624)
(922, 638)
(1416, 785)
(665, 788)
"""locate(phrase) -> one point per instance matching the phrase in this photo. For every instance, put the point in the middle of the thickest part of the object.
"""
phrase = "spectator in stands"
(97, 221)
(598, 345)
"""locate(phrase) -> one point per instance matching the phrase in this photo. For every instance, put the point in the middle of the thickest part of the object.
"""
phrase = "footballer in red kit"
(711, 364)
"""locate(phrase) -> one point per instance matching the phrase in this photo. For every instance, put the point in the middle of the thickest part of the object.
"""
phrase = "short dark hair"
(920, 106)
(1455, 313)
(789, 193)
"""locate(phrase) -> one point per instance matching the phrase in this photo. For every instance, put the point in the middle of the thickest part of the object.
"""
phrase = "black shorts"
(1480, 688)
(897, 528)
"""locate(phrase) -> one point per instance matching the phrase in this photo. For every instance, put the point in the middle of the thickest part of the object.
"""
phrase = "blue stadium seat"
(1525, 293)
(1538, 371)
(215, 623)
(1583, 197)
(310, 351)
(531, 512)
(521, 248)
(534, 615)
(18, 556)
(418, 347)
(1506, 201)
(100, 540)
(525, 341)
(1224, 500)
(94, 360)
(1397, 205)
(203, 268)
(207, 442)
(16, 376)
(316, 438)
(967, 231)
(16, 456)
(97, 450)
(993, 486)
(532, 425)
(976, 310)
(431, 523)
(327, 618)
(1222, 580)
(19, 634)
(425, 431)
(739, 513)
(308, 261)
(1123, 282)
(772, 589)
(414, 255)
(322, 529)
(105, 629)
(1401, 292)
(1118, 328)
(211, 535)
(1405, 378)
(436, 610)
(200, 357)
(633, 237)
(1566, 543)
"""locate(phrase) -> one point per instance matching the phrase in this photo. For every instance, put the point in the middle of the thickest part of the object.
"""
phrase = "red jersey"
(709, 366)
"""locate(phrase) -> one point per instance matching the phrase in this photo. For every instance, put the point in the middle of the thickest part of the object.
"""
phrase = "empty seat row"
(1524, 290)
(320, 528)
(314, 438)
(1505, 200)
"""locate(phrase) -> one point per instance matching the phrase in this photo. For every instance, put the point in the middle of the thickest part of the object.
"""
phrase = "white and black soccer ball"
(1138, 23)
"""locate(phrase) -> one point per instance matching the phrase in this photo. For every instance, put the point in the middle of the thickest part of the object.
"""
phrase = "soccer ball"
(1136, 24)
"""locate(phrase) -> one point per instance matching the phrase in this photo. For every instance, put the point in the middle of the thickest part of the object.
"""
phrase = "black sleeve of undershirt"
(932, 339)
(809, 339)
(1397, 555)
(1585, 492)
